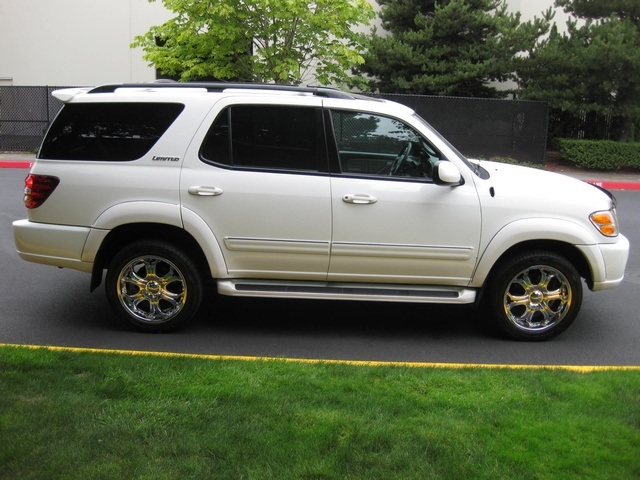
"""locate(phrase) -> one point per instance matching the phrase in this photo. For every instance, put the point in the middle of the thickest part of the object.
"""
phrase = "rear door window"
(107, 131)
(267, 136)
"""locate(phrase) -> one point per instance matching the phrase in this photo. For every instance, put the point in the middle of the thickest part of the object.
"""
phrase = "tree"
(280, 41)
(589, 73)
(448, 47)
(623, 9)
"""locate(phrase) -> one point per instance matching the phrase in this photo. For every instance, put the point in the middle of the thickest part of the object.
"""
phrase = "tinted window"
(217, 146)
(107, 131)
(266, 137)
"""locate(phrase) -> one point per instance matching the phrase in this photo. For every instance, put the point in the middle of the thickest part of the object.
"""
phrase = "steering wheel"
(401, 158)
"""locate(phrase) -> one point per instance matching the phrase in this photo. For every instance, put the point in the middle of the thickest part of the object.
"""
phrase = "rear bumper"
(56, 245)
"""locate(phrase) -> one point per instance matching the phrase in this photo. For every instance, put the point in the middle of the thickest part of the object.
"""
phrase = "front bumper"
(610, 261)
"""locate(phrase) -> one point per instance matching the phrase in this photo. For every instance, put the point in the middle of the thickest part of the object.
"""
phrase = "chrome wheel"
(537, 298)
(534, 295)
(154, 286)
(152, 289)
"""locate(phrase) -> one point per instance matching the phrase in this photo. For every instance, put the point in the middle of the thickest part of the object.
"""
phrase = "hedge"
(599, 154)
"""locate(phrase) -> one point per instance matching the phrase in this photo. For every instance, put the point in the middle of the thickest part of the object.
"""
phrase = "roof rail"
(328, 92)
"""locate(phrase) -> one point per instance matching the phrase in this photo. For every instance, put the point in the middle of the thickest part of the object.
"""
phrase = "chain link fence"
(479, 128)
(25, 115)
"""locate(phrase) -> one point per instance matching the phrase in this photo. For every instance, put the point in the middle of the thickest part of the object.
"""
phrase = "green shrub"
(513, 161)
(599, 154)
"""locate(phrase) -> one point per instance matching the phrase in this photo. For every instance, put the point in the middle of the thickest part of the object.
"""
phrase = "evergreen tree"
(447, 47)
(589, 73)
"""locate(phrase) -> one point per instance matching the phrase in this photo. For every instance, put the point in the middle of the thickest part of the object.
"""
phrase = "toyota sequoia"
(163, 191)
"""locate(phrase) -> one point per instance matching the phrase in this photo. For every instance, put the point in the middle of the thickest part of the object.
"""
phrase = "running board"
(346, 291)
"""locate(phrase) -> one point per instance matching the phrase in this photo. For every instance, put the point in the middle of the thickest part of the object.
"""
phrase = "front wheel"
(154, 286)
(534, 296)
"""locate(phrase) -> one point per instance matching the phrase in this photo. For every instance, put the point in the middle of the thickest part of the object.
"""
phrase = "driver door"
(391, 223)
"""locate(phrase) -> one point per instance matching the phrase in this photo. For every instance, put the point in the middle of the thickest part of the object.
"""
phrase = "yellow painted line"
(364, 363)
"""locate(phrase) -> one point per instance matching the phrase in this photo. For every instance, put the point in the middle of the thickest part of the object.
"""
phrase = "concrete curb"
(608, 184)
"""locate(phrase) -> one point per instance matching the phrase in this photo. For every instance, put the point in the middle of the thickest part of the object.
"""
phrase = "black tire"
(534, 296)
(153, 286)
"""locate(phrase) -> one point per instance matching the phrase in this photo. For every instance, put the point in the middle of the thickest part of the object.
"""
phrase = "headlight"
(606, 222)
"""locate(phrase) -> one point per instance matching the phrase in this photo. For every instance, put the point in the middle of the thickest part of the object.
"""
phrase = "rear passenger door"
(257, 174)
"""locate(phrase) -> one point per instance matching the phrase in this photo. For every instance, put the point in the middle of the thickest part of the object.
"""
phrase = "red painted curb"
(615, 185)
(15, 164)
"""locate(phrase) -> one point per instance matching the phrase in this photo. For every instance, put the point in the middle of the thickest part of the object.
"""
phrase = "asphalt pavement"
(611, 180)
(55, 309)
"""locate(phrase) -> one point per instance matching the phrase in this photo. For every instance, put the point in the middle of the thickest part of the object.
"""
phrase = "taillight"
(37, 189)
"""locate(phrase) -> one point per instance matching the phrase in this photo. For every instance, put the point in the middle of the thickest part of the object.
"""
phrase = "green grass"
(96, 415)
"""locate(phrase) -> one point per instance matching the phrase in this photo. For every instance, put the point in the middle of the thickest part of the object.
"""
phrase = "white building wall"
(75, 42)
(87, 42)
(534, 8)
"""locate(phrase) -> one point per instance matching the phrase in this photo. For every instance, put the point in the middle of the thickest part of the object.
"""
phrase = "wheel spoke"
(515, 300)
(545, 278)
(150, 266)
(524, 281)
(559, 294)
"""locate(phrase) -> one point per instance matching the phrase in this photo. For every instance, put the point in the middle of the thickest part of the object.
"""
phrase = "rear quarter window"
(107, 131)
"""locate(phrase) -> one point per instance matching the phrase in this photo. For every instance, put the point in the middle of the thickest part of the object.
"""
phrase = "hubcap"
(537, 298)
(152, 289)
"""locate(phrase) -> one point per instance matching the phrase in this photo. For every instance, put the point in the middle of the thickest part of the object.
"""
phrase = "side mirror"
(446, 173)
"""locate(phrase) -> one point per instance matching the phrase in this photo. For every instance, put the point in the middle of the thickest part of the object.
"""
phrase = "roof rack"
(328, 92)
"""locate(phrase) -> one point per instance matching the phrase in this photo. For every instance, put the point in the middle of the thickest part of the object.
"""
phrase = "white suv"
(304, 192)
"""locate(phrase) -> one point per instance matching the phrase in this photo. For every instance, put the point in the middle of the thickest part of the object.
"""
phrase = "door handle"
(359, 198)
(204, 191)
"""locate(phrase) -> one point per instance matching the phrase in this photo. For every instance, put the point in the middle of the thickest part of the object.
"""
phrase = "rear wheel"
(534, 296)
(153, 286)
